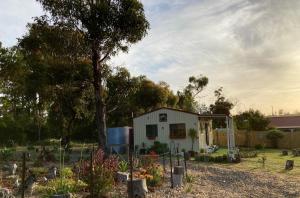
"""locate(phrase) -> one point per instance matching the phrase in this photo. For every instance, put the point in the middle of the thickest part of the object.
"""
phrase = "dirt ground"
(213, 181)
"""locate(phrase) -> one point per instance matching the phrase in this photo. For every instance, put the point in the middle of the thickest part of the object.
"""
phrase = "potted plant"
(193, 135)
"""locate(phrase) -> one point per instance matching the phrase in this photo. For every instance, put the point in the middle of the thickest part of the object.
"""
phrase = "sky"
(249, 47)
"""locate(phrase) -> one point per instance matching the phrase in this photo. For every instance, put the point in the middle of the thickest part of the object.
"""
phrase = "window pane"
(177, 131)
(151, 131)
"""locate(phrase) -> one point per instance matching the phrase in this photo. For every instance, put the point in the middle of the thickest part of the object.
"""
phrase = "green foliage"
(248, 154)
(258, 146)
(157, 174)
(59, 187)
(221, 106)
(202, 150)
(6, 154)
(210, 158)
(251, 120)
(193, 135)
(123, 166)
(189, 178)
(159, 148)
(274, 135)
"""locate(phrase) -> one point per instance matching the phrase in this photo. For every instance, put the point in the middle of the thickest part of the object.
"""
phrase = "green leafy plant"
(6, 154)
(274, 135)
(189, 178)
(156, 173)
(258, 147)
(61, 187)
(249, 154)
(104, 171)
(193, 135)
(159, 148)
(123, 166)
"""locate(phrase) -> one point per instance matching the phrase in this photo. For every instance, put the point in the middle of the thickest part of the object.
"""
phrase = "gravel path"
(213, 181)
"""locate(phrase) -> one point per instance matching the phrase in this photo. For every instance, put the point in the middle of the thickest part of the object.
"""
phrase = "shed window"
(151, 131)
(163, 117)
(177, 131)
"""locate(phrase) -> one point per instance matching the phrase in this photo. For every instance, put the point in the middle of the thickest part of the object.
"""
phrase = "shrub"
(202, 150)
(159, 148)
(149, 159)
(258, 147)
(250, 154)
(157, 174)
(30, 148)
(209, 158)
(61, 186)
(6, 154)
(104, 172)
(274, 135)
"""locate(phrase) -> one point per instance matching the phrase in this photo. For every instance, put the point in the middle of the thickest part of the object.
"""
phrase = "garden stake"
(131, 174)
(92, 174)
(177, 156)
(171, 166)
(185, 167)
(164, 162)
(23, 174)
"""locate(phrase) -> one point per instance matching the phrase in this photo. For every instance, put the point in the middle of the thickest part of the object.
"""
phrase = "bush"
(209, 158)
(258, 147)
(159, 148)
(6, 154)
(104, 173)
(274, 135)
(61, 186)
(157, 174)
(30, 148)
(250, 154)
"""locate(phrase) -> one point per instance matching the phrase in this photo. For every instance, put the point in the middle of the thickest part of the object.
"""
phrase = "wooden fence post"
(185, 167)
(177, 150)
(130, 194)
(92, 174)
(171, 166)
(23, 174)
(164, 162)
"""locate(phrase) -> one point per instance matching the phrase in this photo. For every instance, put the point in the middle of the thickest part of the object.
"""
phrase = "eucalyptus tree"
(108, 26)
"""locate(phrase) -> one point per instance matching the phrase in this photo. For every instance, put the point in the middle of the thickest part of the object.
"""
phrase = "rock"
(140, 189)
(296, 152)
(289, 165)
(122, 177)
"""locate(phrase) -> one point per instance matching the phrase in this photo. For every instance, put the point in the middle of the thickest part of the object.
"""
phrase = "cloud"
(251, 48)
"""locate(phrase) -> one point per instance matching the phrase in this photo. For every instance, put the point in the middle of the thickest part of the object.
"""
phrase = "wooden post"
(177, 155)
(164, 162)
(92, 173)
(185, 167)
(171, 166)
(23, 174)
(131, 195)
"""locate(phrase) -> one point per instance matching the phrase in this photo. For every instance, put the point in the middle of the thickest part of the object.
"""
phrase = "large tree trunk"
(100, 115)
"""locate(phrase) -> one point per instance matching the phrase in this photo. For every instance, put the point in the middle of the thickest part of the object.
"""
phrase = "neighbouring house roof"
(287, 121)
(205, 116)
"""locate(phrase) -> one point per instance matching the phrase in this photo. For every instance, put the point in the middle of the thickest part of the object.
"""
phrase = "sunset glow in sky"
(249, 47)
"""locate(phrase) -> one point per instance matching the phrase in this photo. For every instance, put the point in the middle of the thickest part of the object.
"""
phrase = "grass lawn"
(275, 162)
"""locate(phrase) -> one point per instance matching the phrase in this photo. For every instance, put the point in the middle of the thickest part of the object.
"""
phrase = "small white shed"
(171, 126)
